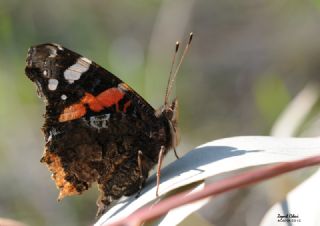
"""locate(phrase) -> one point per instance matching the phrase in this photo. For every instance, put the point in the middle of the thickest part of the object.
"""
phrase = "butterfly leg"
(160, 160)
(140, 156)
(103, 204)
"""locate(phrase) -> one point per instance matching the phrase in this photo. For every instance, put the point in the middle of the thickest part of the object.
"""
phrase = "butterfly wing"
(95, 125)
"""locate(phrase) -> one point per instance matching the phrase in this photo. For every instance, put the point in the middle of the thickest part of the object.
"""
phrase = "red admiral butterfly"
(97, 128)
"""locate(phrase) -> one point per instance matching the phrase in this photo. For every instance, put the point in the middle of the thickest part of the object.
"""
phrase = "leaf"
(214, 158)
(303, 201)
(295, 114)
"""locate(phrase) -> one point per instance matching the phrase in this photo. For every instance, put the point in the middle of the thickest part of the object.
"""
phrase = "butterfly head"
(170, 112)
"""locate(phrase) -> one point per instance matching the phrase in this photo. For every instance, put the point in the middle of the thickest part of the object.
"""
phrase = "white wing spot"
(86, 60)
(63, 97)
(75, 71)
(53, 53)
(52, 84)
(58, 46)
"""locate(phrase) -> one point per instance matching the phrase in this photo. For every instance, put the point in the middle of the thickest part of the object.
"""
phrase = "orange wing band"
(126, 105)
(92, 102)
(105, 99)
(110, 97)
(73, 112)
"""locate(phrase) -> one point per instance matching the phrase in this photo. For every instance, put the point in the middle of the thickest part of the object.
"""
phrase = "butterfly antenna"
(171, 69)
(173, 75)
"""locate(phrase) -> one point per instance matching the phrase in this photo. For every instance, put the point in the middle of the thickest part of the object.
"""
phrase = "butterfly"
(97, 128)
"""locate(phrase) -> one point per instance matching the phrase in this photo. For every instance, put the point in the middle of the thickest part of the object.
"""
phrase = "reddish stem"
(227, 184)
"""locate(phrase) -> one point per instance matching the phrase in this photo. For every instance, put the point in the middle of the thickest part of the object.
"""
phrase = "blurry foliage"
(271, 104)
(311, 125)
(223, 87)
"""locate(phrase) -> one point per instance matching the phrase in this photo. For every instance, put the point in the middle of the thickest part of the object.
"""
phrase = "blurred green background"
(247, 61)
